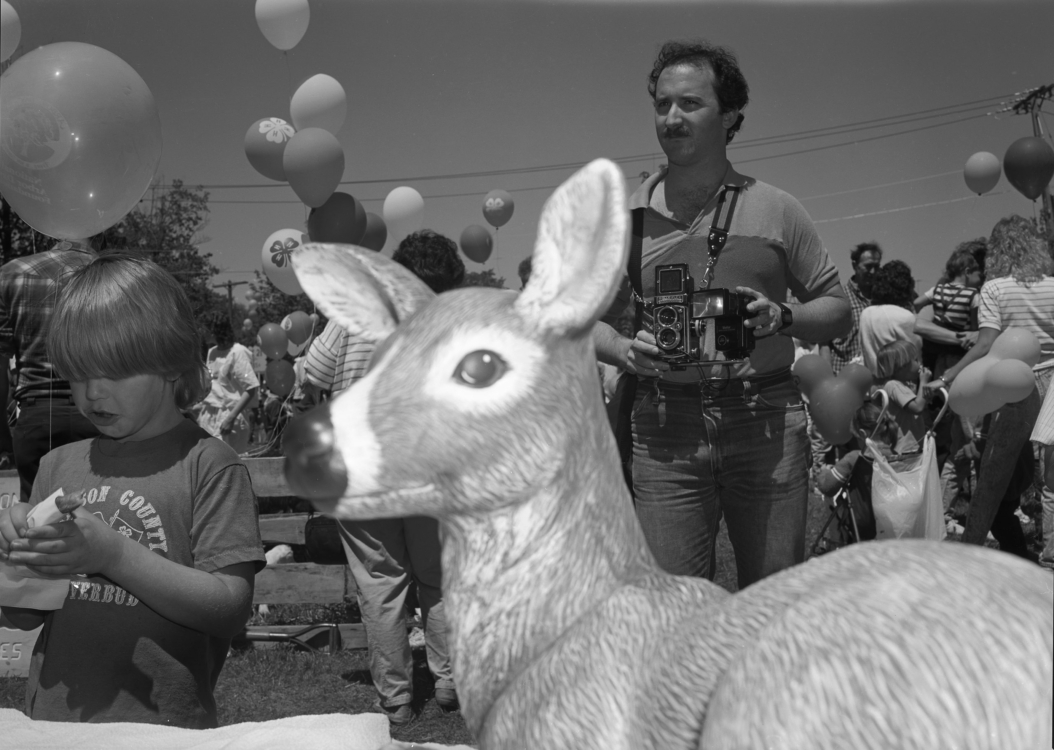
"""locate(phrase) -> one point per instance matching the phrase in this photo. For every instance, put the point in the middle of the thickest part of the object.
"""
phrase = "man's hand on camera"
(643, 356)
(767, 314)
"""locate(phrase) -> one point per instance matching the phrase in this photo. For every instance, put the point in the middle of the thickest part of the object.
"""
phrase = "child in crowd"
(955, 302)
(162, 556)
(902, 377)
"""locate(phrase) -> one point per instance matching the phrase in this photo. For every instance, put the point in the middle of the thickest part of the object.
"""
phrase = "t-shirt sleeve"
(988, 315)
(899, 393)
(242, 369)
(226, 524)
(812, 274)
(320, 364)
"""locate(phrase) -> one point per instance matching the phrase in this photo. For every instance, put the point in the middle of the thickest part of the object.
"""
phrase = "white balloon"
(283, 22)
(10, 30)
(403, 211)
(320, 102)
(275, 255)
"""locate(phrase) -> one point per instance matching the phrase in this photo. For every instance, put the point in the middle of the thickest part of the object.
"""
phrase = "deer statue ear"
(580, 255)
(367, 294)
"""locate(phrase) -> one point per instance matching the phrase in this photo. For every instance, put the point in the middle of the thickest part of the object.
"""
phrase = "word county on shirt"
(133, 517)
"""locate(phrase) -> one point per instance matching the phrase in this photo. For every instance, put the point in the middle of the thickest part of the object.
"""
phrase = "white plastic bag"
(20, 586)
(906, 495)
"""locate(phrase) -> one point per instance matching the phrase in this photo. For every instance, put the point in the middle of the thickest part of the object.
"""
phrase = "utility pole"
(230, 298)
(1030, 103)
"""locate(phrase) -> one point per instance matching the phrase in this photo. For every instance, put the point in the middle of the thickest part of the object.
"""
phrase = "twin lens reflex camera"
(680, 316)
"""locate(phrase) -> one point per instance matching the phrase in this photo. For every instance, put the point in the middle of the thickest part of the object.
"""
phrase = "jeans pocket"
(780, 399)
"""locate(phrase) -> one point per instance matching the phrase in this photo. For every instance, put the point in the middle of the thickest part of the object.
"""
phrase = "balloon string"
(288, 77)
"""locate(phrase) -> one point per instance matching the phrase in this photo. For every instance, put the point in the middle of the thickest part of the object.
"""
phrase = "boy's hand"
(13, 525)
(83, 545)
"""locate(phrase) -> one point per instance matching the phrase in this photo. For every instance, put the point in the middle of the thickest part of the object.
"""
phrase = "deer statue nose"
(313, 466)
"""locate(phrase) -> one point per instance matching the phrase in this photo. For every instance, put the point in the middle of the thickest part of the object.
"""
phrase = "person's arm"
(818, 320)
(217, 603)
(228, 422)
(7, 443)
(922, 301)
(639, 355)
(985, 338)
(932, 332)
(918, 404)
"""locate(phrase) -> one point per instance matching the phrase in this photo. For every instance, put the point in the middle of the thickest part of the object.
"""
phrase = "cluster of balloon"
(341, 219)
(832, 399)
(279, 374)
(404, 208)
(276, 254)
(10, 30)
(298, 327)
(1003, 376)
(1029, 166)
(982, 172)
(497, 208)
(476, 243)
(80, 135)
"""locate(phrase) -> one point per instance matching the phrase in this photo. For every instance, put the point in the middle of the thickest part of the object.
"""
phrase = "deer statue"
(483, 408)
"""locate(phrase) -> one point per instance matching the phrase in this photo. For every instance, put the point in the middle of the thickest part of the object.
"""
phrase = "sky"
(865, 111)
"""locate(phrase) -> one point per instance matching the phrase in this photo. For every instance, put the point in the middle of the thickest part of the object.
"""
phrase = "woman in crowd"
(1019, 293)
(224, 413)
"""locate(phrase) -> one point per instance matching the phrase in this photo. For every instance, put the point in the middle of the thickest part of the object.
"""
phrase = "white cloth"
(319, 732)
(884, 324)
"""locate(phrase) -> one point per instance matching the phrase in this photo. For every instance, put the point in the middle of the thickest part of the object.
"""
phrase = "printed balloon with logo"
(275, 255)
(298, 327)
(80, 139)
(265, 143)
(497, 208)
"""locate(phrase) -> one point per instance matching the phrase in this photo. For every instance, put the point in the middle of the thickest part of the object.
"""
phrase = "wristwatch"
(786, 316)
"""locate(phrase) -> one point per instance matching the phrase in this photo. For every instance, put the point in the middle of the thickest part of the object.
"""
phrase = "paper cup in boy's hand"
(20, 586)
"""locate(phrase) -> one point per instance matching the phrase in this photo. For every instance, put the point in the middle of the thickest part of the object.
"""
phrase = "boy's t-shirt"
(105, 656)
(911, 428)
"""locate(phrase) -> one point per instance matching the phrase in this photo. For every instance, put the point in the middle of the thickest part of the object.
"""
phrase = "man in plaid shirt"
(866, 258)
(47, 417)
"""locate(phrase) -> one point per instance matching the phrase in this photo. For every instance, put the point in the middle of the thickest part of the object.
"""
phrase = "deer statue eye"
(480, 369)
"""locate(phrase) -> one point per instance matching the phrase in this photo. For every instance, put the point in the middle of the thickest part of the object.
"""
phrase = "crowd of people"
(109, 365)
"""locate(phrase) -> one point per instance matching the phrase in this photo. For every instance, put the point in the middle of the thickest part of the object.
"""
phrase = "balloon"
(319, 103)
(80, 139)
(809, 371)
(297, 326)
(403, 210)
(1016, 343)
(859, 376)
(833, 403)
(276, 252)
(476, 243)
(247, 324)
(265, 143)
(497, 208)
(272, 340)
(283, 22)
(280, 377)
(340, 219)
(10, 30)
(376, 233)
(313, 163)
(968, 395)
(1010, 380)
(982, 172)
(1029, 165)
(295, 350)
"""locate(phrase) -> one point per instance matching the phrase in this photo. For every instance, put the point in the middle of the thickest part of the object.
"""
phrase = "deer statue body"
(483, 408)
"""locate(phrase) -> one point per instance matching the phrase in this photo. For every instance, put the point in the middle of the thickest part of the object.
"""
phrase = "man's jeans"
(703, 453)
(383, 556)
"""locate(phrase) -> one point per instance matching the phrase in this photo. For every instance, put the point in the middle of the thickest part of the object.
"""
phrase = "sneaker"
(447, 699)
(399, 716)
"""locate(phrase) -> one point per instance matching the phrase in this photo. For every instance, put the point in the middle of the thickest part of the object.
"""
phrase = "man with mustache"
(727, 440)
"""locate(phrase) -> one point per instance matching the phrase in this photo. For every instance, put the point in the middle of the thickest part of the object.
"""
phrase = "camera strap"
(715, 241)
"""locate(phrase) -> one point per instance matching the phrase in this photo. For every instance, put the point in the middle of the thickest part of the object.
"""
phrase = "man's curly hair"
(729, 83)
(1016, 249)
(893, 284)
(432, 258)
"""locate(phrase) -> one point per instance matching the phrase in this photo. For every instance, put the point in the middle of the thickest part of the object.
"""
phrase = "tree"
(484, 278)
(269, 304)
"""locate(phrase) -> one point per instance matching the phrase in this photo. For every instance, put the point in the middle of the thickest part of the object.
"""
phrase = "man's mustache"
(675, 132)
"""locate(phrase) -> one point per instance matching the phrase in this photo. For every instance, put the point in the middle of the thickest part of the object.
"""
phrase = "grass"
(262, 683)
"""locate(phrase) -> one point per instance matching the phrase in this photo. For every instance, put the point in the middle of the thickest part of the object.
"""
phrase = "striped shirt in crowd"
(336, 359)
(1007, 303)
(953, 306)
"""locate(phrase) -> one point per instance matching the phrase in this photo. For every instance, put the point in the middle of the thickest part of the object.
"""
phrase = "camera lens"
(668, 338)
(666, 316)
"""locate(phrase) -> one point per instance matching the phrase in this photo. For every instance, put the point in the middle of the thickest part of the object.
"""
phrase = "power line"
(905, 208)
(887, 121)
